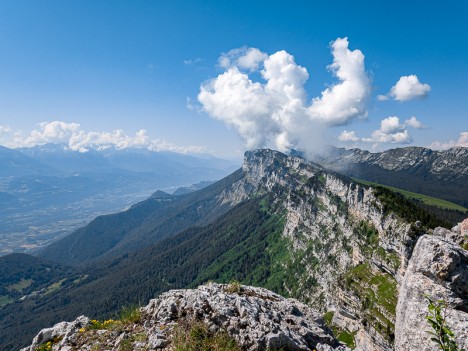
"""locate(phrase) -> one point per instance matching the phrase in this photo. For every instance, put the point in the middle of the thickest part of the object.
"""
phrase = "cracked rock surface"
(438, 268)
(256, 318)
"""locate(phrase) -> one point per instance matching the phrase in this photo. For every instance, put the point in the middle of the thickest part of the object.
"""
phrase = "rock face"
(438, 268)
(350, 252)
(256, 318)
(63, 330)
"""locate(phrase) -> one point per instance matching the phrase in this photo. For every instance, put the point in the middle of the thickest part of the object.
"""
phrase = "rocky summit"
(256, 318)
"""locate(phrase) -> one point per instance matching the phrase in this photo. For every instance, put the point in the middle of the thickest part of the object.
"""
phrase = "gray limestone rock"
(438, 268)
(257, 318)
(59, 331)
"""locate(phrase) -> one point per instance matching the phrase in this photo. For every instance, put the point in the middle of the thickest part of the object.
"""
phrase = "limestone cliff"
(347, 255)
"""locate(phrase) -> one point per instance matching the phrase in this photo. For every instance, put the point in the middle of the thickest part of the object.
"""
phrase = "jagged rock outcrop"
(438, 268)
(256, 318)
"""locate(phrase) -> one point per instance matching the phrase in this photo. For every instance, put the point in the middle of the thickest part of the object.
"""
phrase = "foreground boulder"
(439, 269)
(257, 319)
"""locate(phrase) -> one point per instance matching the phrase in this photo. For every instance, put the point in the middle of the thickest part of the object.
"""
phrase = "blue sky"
(133, 65)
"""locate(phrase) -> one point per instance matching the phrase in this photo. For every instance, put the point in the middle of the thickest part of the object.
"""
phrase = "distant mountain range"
(442, 174)
(47, 191)
(280, 222)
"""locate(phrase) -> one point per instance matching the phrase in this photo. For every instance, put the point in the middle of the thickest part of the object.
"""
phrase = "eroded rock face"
(62, 330)
(257, 318)
(438, 268)
(327, 221)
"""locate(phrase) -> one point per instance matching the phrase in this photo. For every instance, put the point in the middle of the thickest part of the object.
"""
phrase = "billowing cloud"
(275, 111)
(462, 141)
(77, 139)
(346, 100)
(51, 132)
(244, 58)
(4, 130)
(414, 123)
(390, 131)
(407, 88)
(348, 136)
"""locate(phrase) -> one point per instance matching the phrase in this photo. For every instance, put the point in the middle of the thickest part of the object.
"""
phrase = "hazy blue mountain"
(190, 189)
(142, 225)
(67, 161)
(14, 163)
(47, 191)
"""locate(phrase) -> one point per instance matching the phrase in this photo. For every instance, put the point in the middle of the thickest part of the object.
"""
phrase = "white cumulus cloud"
(346, 100)
(244, 58)
(77, 139)
(4, 130)
(414, 123)
(275, 110)
(391, 131)
(348, 136)
(409, 88)
(462, 141)
(51, 132)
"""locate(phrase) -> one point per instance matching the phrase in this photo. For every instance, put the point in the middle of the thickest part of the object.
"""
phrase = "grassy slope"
(428, 200)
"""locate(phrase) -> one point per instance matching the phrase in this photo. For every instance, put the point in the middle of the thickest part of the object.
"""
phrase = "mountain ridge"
(442, 174)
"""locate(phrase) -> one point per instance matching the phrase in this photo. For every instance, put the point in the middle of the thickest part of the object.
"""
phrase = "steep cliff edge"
(255, 318)
(438, 268)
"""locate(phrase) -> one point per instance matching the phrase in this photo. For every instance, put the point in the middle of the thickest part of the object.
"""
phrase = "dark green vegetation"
(378, 294)
(22, 275)
(426, 200)
(145, 223)
(441, 334)
(172, 263)
(408, 210)
(449, 212)
(342, 335)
